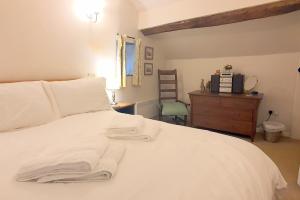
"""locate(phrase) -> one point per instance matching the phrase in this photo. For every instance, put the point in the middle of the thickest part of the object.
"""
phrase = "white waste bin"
(273, 130)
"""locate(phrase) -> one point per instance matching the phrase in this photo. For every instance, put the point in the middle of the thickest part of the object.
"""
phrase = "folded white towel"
(127, 124)
(148, 133)
(105, 169)
(77, 156)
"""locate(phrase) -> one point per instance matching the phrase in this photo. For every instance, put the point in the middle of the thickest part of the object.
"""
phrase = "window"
(130, 58)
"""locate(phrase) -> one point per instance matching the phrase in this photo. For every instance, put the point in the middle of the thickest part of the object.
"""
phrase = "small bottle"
(202, 86)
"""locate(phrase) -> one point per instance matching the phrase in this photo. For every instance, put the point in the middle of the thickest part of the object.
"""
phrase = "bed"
(181, 164)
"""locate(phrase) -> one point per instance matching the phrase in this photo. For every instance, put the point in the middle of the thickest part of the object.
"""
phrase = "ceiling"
(279, 34)
(143, 5)
(272, 35)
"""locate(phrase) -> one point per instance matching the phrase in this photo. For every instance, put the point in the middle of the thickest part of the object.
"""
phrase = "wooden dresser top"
(225, 95)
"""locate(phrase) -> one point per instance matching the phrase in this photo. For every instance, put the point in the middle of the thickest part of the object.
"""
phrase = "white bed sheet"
(182, 164)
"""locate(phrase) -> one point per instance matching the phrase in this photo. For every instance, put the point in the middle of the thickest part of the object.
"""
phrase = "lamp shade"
(112, 84)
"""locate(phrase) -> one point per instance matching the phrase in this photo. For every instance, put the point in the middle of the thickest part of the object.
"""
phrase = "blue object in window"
(130, 58)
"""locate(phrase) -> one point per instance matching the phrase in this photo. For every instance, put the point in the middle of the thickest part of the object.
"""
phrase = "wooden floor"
(286, 155)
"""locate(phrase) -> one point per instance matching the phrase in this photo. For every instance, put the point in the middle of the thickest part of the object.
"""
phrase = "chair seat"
(174, 108)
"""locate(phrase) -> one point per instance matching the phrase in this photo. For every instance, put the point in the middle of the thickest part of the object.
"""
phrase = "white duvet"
(181, 164)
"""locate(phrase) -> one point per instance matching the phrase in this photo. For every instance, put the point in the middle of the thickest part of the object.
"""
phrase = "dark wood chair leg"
(176, 120)
(185, 120)
(160, 113)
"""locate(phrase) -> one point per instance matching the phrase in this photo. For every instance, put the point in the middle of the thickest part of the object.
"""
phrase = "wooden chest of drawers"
(225, 112)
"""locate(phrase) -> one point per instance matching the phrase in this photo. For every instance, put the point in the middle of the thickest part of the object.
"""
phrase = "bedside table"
(125, 107)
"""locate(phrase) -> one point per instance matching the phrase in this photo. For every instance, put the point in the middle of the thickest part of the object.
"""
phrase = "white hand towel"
(79, 156)
(127, 124)
(147, 134)
(105, 170)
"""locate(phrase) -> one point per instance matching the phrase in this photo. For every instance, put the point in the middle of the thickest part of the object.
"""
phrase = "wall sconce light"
(89, 10)
(93, 17)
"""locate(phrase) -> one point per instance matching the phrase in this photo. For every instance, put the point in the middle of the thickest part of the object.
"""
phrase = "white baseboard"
(299, 177)
(286, 133)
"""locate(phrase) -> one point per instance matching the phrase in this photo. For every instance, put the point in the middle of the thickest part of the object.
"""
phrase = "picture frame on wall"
(148, 69)
(149, 53)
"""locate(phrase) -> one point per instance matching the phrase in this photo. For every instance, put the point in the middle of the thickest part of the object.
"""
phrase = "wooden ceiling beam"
(239, 15)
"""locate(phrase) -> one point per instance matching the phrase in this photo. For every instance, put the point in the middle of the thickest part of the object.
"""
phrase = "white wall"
(296, 110)
(46, 40)
(186, 9)
(42, 39)
(276, 73)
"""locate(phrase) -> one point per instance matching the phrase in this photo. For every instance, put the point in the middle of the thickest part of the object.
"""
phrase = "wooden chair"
(169, 104)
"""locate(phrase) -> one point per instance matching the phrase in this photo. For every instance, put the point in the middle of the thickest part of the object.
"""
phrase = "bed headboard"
(28, 80)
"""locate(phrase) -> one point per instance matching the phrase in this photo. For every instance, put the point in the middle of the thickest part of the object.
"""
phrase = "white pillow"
(22, 105)
(80, 96)
(51, 98)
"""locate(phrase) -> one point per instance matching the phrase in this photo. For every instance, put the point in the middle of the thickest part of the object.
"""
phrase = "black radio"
(238, 84)
(215, 84)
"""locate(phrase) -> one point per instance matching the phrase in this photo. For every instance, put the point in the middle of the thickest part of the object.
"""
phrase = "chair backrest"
(167, 81)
